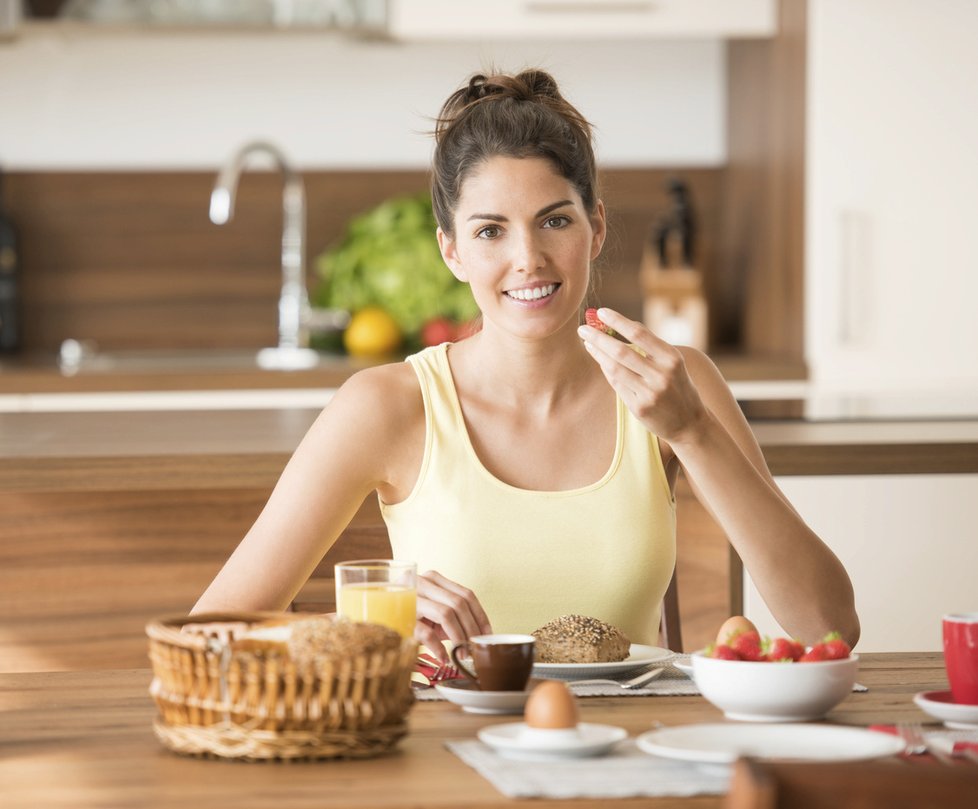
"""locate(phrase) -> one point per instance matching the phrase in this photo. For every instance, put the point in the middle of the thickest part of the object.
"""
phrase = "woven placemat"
(672, 682)
(625, 772)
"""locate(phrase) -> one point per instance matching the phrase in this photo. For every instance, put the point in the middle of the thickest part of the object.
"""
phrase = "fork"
(440, 671)
(446, 671)
(916, 743)
(635, 682)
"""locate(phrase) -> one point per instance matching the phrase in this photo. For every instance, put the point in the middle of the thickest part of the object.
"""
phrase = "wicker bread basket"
(216, 698)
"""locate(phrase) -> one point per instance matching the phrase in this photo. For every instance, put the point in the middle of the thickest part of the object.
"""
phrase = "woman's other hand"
(656, 387)
(447, 611)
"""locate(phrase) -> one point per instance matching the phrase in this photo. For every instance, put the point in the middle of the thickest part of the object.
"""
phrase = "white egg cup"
(549, 736)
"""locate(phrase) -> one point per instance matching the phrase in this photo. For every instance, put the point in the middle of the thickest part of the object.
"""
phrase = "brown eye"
(556, 222)
(488, 232)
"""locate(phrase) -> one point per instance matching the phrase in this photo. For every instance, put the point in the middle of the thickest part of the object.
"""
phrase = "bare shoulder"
(376, 424)
(383, 397)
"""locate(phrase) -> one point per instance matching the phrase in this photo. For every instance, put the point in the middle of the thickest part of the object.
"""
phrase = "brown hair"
(522, 115)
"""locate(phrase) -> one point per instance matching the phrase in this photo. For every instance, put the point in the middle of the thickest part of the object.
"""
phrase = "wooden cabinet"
(891, 275)
(433, 20)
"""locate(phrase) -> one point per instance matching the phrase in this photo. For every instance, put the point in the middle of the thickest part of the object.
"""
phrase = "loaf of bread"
(317, 639)
(579, 639)
(327, 639)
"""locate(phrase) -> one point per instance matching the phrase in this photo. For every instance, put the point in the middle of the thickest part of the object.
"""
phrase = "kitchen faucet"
(292, 351)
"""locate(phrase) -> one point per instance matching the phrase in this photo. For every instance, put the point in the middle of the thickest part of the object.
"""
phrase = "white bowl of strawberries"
(775, 680)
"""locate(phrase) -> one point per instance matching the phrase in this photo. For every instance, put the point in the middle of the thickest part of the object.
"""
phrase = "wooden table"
(84, 739)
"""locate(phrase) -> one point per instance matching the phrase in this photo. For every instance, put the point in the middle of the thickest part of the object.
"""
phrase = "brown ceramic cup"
(502, 662)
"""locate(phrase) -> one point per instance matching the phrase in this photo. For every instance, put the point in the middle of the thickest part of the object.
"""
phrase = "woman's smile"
(533, 295)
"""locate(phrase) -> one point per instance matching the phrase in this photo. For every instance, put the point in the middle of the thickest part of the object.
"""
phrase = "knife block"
(674, 307)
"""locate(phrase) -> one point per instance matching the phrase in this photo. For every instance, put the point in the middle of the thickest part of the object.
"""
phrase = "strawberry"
(747, 645)
(784, 649)
(595, 322)
(722, 652)
(835, 648)
(814, 655)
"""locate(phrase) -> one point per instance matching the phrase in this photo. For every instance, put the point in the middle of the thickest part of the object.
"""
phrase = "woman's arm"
(369, 437)
(682, 398)
(339, 462)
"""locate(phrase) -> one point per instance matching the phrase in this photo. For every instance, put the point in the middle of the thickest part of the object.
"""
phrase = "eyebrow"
(495, 217)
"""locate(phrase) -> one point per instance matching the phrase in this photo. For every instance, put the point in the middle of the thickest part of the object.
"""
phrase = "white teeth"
(532, 294)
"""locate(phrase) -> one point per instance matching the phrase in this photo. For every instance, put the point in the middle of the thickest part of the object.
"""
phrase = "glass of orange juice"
(381, 591)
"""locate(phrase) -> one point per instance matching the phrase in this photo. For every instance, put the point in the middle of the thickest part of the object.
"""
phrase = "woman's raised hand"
(656, 387)
(447, 611)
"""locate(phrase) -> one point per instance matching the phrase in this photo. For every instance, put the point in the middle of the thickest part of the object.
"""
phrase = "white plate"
(723, 744)
(638, 657)
(472, 700)
(686, 667)
(939, 705)
(516, 740)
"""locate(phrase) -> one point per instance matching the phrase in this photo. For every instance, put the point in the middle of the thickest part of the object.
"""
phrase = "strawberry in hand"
(591, 319)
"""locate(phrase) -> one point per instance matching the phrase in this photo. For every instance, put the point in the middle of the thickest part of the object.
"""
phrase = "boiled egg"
(735, 625)
(551, 706)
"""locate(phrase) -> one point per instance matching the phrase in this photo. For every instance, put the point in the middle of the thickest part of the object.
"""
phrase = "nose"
(528, 253)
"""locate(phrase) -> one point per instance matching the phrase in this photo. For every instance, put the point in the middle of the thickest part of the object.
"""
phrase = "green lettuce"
(389, 258)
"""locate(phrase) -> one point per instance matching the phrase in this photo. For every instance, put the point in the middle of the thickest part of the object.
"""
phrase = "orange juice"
(392, 605)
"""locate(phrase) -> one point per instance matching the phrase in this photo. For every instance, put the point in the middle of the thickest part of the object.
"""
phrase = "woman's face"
(524, 243)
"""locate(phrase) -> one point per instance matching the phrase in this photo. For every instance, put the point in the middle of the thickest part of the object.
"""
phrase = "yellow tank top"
(605, 550)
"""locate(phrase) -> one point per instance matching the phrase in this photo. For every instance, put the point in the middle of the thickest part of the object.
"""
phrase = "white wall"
(908, 543)
(71, 98)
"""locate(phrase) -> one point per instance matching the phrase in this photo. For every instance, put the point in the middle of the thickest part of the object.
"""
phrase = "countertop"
(213, 370)
(208, 448)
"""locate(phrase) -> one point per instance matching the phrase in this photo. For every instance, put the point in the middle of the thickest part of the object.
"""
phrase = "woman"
(532, 465)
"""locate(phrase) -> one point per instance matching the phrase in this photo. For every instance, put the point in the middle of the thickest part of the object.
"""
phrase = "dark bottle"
(9, 285)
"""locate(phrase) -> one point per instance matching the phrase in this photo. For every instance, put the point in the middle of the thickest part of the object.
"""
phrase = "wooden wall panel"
(131, 260)
(764, 193)
(82, 572)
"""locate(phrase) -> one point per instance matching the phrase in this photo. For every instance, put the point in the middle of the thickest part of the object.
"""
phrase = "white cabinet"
(580, 19)
(909, 543)
(891, 266)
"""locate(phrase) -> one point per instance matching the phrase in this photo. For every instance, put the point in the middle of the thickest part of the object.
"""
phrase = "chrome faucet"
(293, 304)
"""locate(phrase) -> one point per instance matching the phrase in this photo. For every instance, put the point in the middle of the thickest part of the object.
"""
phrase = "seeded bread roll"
(579, 639)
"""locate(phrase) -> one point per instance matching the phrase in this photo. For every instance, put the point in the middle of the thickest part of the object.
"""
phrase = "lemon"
(372, 332)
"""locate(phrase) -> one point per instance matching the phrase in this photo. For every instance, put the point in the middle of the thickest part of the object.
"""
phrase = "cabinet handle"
(589, 6)
(854, 281)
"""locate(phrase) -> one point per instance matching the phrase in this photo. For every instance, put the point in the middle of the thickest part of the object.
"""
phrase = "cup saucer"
(467, 694)
(941, 705)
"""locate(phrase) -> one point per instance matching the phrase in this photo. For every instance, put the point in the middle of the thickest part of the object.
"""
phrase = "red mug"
(961, 656)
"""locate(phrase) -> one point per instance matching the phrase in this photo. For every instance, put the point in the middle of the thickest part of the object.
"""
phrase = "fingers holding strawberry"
(648, 374)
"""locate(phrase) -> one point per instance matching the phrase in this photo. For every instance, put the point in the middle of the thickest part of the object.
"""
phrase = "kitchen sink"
(77, 358)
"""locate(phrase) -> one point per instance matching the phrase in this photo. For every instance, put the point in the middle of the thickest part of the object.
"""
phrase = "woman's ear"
(599, 226)
(449, 254)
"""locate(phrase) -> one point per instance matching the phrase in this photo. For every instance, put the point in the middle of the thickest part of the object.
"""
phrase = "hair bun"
(530, 85)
